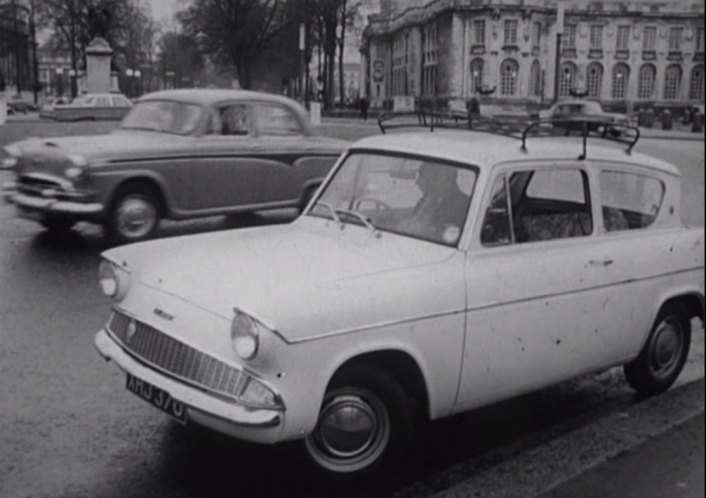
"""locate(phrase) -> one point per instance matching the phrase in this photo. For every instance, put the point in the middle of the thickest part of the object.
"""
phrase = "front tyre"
(365, 420)
(57, 225)
(664, 354)
(134, 215)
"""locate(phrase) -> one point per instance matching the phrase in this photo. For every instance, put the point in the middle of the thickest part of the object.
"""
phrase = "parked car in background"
(564, 111)
(432, 273)
(16, 104)
(178, 154)
(46, 109)
(90, 106)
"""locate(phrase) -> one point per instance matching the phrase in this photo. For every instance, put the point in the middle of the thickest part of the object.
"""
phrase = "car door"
(534, 283)
(228, 170)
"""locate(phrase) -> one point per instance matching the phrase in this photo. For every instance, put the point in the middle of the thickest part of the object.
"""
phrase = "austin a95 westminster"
(432, 273)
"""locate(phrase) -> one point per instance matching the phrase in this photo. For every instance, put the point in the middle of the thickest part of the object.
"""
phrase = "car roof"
(210, 96)
(486, 149)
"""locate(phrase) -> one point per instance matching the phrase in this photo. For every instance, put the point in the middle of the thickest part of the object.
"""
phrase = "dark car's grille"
(35, 186)
(176, 358)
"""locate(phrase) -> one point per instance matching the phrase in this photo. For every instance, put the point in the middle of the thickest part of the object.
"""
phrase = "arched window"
(672, 82)
(594, 80)
(508, 77)
(621, 73)
(476, 75)
(646, 82)
(696, 84)
(566, 79)
(535, 79)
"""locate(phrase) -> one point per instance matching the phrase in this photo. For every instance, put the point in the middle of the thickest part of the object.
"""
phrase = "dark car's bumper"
(33, 207)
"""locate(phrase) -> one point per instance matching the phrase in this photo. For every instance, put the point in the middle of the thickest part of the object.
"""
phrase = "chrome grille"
(176, 358)
(35, 186)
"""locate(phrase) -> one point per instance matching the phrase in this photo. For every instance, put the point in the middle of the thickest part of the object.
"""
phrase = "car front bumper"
(38, 207)
(256, 425)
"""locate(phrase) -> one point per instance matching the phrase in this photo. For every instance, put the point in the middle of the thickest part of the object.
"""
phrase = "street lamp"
(129, 73)
(59, 81)
(138, 80)
(72, 78)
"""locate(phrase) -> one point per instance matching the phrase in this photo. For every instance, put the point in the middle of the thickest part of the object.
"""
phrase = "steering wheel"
(377, 204)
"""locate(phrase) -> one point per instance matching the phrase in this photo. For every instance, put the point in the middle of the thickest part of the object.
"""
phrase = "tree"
(233, 32)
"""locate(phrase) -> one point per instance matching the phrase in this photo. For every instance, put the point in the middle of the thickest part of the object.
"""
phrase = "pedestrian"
(364, 107)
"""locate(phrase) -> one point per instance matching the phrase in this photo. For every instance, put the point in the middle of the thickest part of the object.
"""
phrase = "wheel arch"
(693, 301)
(143, 178)
(401, 365)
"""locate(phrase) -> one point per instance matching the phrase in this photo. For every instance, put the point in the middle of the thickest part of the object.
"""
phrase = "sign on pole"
(560, 8)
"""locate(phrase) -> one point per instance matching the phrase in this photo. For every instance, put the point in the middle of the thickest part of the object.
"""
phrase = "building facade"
(626, 54)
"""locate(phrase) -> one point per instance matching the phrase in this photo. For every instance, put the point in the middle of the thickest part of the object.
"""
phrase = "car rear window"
(277, 120)
(629, 200)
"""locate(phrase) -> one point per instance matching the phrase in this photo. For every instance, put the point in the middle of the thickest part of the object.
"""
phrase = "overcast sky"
(164, 9)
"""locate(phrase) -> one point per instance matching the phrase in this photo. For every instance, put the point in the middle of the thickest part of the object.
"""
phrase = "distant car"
(432, 274)
(178, 154)
(564, 111)
(92, 106)
(15, 104)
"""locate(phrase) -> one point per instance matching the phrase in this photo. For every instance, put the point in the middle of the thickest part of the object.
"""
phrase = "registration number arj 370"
(157, 397)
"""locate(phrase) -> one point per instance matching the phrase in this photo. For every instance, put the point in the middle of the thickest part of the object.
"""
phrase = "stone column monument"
(98, 55)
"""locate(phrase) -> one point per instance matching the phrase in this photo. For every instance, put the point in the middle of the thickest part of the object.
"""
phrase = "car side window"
(120, 102)
(277, 120)
(629, 200)
(102, 102)
(235, 119)
(536, 205)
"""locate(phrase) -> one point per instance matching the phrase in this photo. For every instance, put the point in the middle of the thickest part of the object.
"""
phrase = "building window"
(429, 67)
(646, 82)
(536, 34)
(621, 73)
(569, 36)
(508, 77)
(649, 37)
(699, 39)
(479, 32)
(568, 75)
(594, 80)
(510, 32)
(536, 79)
(399, 66)
(476, 75)
(623, 38)
(696, 84)
(597, 36)
(672, 82)
(675, 35)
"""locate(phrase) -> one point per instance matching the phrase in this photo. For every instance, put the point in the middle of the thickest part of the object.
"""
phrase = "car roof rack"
(588, 127)
(449, 119)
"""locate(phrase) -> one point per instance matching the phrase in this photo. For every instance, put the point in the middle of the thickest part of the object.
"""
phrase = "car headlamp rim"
(245, 334)
(74, 172)
(113, 279)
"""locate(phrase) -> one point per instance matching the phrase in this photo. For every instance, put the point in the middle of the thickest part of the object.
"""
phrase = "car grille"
(176, 358)
(35, 186)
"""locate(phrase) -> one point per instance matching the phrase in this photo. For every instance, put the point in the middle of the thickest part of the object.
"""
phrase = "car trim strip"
(263, 155)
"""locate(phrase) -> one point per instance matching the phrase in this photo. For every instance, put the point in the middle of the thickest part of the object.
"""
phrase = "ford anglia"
(178, 154)
(432, 273)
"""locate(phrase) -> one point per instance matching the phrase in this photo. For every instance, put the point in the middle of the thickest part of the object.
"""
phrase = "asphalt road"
(70, 429)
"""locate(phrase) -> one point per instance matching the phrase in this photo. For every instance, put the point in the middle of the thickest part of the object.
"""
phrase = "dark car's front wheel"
(57, 225)
(135, 214)
(365, 419)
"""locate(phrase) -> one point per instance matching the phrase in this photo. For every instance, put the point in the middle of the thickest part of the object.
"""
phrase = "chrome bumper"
(256, 425)
(49, 205)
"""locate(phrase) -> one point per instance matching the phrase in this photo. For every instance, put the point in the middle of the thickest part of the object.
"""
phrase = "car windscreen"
(418, 197)
(163, 116)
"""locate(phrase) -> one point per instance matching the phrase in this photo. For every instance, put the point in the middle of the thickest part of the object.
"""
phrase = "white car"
(564, 111)
(431, 274)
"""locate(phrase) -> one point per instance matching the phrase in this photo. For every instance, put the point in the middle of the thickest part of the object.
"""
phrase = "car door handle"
(601, 262)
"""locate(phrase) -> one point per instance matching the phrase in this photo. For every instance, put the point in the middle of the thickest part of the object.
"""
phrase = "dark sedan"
(178, 154)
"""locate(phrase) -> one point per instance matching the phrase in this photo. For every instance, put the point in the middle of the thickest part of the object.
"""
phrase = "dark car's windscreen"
(163, 116)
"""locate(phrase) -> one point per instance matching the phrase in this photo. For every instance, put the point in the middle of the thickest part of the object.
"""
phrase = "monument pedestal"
(98, 55)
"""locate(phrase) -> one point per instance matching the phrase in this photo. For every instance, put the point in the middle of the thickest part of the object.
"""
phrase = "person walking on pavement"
(364, 104)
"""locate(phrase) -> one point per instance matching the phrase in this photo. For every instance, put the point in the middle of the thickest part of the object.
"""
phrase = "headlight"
(244, 335)
(78, 169)
(13, 150)
(113, 280)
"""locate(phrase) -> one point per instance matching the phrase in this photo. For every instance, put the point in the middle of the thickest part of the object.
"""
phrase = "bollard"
(687, 117)
(697, 123)
(649, 118)
(667, 120)
(641, 117)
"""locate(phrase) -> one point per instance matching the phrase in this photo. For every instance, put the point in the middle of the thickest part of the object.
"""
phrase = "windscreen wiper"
(331, 209)
(363, 219)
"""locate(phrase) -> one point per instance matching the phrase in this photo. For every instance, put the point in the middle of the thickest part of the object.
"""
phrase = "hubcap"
(352, 432)
(666, 347)
(136, 217)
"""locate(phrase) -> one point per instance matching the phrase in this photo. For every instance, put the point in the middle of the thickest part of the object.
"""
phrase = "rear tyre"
(365, 419)
(664, 354)
(134, 215)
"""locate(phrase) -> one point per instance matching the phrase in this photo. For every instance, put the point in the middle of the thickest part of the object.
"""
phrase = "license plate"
(29, 214)
(157, 397)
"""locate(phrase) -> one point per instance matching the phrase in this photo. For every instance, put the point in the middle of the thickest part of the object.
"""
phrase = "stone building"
(625, 53)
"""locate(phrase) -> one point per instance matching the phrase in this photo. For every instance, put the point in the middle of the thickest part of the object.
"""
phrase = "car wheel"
(57, 225)
(135, 214)
(365, 418)
(664, 354)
